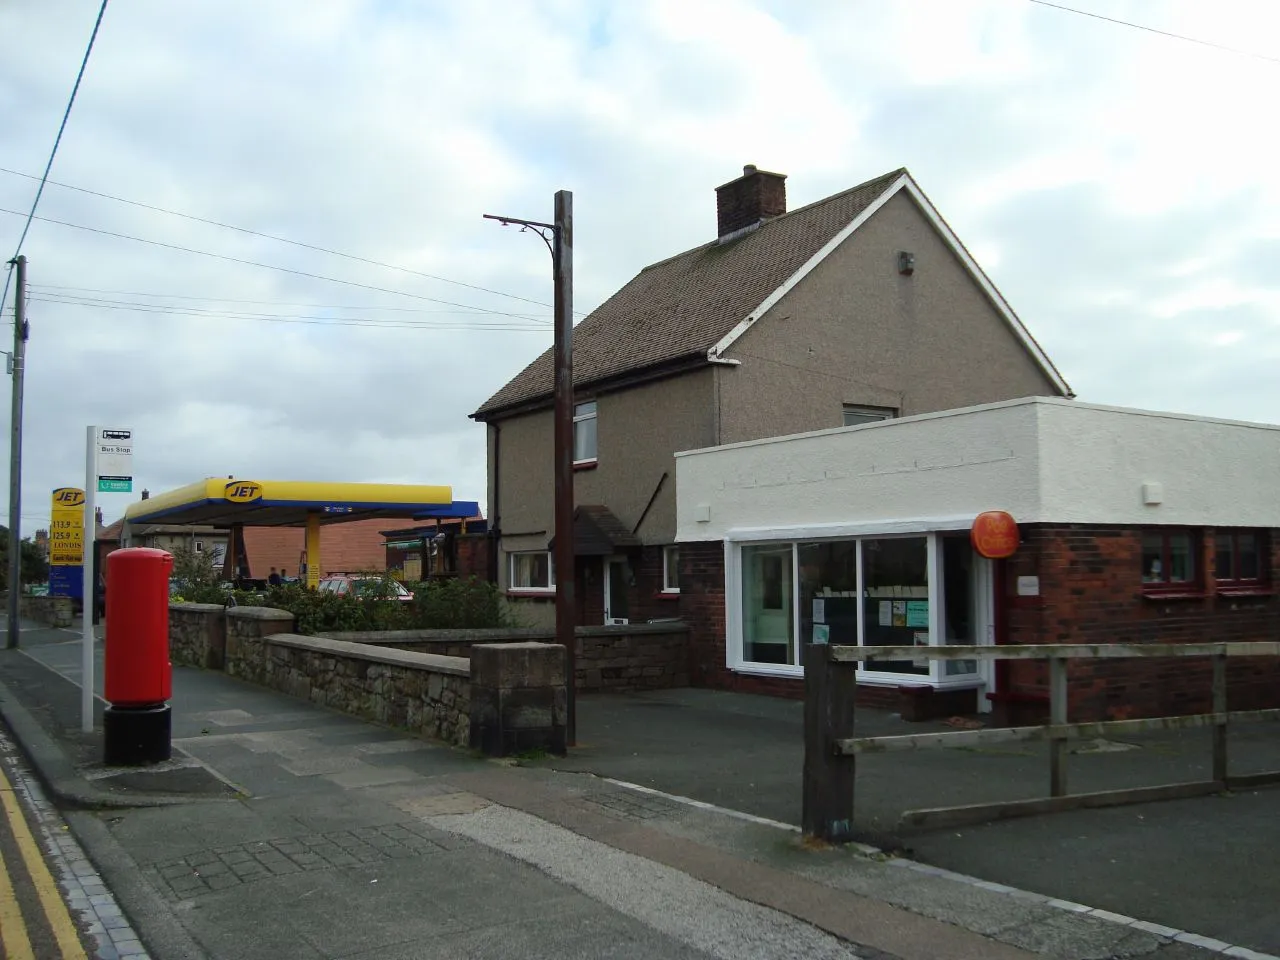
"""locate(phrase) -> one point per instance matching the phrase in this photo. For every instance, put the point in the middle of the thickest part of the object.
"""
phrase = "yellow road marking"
(55, 911)
(13, 931)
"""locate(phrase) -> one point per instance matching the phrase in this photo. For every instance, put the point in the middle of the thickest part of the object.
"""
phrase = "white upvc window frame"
(580, 415)
(511, 572)
(670, 559)
(936, 677)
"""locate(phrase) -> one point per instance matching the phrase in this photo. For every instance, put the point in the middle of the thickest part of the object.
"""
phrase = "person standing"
(274, 578)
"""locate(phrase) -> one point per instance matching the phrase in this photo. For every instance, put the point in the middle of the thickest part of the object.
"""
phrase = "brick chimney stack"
(755, 196)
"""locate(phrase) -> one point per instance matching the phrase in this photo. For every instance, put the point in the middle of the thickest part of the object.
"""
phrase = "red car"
(365, 587)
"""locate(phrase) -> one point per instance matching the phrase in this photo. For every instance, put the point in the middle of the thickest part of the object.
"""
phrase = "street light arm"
(547, 231)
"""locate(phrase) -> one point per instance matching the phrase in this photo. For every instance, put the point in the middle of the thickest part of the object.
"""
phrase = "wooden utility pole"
(558, 237)
(17, 364)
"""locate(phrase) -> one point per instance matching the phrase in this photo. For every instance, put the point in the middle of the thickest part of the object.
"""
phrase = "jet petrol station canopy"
(222, 502)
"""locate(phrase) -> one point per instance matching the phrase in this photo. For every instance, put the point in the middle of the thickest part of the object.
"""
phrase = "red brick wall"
(1091, 592)
(473, 555)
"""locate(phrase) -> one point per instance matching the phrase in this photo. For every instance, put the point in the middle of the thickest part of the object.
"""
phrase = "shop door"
(616, 583)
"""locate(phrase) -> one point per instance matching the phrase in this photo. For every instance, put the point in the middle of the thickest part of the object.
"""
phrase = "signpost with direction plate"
(108, 469)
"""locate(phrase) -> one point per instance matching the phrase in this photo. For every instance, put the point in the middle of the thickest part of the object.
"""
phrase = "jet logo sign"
(242, 491)
(68, 497)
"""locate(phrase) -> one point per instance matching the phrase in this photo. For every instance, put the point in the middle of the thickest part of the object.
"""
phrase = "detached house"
(860, 307)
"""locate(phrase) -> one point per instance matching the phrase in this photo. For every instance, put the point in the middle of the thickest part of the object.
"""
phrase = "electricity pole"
(17, 363)
(558, 237)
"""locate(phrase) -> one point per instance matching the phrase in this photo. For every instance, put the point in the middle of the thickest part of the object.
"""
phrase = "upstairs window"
(1239, 558)
(1169, 561)
(855, 415)
(584, 432)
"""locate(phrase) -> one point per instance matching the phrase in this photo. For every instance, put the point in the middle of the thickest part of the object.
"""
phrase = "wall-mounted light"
(906, 263)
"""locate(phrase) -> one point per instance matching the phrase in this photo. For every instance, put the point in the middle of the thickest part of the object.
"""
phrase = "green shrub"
(460, 604)
(437, 604)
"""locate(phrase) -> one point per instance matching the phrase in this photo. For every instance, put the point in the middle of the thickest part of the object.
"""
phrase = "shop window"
(767, 611)
(895, 576)
(1169, 561)
(584, 432)
(531, 571)
(670, 569)
(1239, 558)
(855, 415)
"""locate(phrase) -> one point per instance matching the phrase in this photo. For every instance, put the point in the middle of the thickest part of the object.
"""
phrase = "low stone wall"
(419, 692)
(246, 655)
(513, 700)
(198, 635)
(650, 656)
(51, 611)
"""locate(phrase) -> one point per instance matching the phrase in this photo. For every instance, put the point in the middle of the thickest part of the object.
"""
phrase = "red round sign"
(994, 534)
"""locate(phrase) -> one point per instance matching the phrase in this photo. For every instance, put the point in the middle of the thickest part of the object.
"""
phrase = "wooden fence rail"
(831, 749)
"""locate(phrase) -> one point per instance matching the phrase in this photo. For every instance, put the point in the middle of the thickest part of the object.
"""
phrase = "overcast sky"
(1121, 188)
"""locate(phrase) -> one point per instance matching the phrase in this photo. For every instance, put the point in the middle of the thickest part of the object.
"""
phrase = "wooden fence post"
(1057, 715)
(828, 717)
(1220, 723)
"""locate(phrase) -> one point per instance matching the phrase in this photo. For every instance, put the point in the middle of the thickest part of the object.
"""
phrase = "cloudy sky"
(1122, 189)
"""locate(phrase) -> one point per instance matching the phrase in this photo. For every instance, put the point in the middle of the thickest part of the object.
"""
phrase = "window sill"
(1159, 596)
(585, 464)
(667, 595)
(533, 593)
(1258, 590)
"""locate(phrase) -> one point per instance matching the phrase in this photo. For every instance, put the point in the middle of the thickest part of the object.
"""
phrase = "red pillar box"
(137, 675)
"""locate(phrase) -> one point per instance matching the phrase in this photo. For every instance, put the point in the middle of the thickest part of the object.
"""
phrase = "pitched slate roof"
(680, 308)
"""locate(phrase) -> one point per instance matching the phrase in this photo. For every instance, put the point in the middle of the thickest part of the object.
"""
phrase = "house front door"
(616, 582)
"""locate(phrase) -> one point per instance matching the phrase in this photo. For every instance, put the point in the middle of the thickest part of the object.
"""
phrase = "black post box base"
(132, 736)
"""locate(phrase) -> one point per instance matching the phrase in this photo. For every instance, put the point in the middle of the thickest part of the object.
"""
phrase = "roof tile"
(681, 307)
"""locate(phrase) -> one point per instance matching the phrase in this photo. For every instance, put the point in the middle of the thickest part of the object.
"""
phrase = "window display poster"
(921, 640)
(899, 613)
(886, 613)
(819, 613)
(917, 613)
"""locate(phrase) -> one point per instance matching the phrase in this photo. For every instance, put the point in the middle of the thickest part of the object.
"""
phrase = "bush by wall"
(437, 604)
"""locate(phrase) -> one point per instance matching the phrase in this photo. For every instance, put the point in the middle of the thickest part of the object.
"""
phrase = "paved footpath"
(284, 830)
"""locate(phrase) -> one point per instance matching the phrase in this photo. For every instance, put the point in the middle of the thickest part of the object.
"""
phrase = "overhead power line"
(279, 239)
(1156, 30)
(84, 62)
(368, 322)
(62, 290)
(271, 266)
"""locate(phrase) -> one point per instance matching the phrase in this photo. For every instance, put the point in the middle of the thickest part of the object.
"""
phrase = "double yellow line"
(13, 930)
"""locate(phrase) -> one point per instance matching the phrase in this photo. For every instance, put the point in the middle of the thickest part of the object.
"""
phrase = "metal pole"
(562, 267)
(90, 592)
(15, 451)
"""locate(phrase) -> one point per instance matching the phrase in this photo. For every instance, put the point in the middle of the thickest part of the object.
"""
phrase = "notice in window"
(819, 614)
(899, 613)
(921, 640)
(917, 613)
(886, 613)
(821, 633)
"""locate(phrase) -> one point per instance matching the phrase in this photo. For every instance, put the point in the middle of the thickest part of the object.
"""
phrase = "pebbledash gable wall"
(1090, 579)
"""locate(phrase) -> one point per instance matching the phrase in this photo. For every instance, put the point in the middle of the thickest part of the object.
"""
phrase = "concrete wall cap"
(197, 607)
(259, 613)
(428, 662)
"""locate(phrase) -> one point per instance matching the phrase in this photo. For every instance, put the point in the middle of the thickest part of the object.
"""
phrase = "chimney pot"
(146, 494)
(756, 195)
